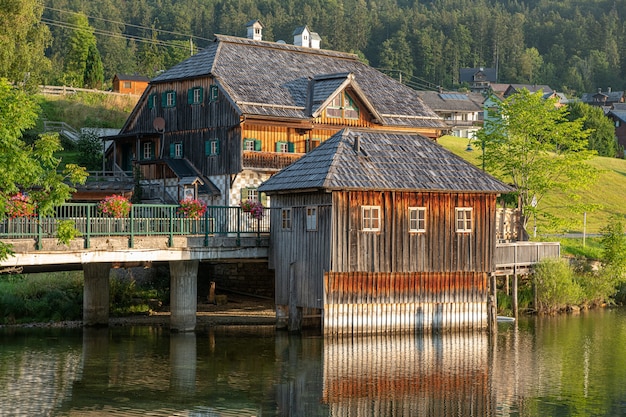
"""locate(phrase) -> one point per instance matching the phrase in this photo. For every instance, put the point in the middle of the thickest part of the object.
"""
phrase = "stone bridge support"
(96, 294)
(183, 295)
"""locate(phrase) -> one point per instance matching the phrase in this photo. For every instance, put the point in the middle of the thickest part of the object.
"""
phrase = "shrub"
(556, 287)
(115, 206)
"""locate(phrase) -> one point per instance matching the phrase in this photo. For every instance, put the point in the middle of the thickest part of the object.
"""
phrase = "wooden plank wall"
(394, 248)
(397, 375)
(300, 257)
(374, 302)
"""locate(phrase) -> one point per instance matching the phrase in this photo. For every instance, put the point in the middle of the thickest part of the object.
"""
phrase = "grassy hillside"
(609, 193)
(88, 109)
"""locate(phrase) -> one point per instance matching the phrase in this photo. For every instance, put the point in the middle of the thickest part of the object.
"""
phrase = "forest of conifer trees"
(574, 46)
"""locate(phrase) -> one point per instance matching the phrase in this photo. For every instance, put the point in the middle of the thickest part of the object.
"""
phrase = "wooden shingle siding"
(394, 248)
(369, 302)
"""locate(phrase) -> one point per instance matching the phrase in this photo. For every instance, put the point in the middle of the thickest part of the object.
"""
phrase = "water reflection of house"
(442, 375)
(380, 231)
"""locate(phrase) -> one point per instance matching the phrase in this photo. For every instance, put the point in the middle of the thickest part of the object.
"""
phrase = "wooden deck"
(520, 257)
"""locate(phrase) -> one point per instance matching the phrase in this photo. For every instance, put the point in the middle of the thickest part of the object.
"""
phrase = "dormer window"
(342, 105)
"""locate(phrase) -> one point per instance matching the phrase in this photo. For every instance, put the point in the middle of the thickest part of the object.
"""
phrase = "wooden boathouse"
(382, 231)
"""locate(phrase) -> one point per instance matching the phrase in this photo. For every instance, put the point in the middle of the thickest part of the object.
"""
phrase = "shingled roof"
(280, 80)
(382, 160)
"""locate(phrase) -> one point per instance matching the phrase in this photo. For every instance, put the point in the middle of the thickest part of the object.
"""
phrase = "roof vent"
(255, 30)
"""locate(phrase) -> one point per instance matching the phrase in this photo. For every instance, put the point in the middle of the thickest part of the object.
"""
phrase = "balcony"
(269, 160)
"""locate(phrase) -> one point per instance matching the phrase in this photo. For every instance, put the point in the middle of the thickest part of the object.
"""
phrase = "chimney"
(357, 143)
(255, 30)
(609, 89)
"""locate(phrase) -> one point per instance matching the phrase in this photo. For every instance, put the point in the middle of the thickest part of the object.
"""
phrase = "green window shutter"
(151, 99)
(172, 150)
(201, 94)
(290, 147)
(190, 96)
(152, 151)
(164, 99)
(257, 145)
(264, 199)
(277, 146)
(213, 93)
(244, 194)
(217, 147)
(207, 148)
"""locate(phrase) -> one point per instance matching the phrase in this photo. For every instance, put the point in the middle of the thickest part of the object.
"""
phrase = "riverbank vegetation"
(58, 296)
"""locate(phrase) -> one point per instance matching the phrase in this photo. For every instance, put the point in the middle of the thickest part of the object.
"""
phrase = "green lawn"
(609, 193)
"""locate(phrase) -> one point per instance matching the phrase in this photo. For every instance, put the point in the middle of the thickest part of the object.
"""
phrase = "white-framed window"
(168, 99)
(212, 147)
(463, 216)
(251, 144)
(311, 218)
(146, 151)
(370, 216)
(417, 219)
(342, 105)
(152, 101)
(195, 95)
(252, 194)
(334, 107)
(285, 216)
(178, 150)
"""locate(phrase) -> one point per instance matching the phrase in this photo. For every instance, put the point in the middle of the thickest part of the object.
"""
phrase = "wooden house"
(478, 79)
(242, 109)
(603, 98)
(130, 84)
(382, 231)
(462, 112)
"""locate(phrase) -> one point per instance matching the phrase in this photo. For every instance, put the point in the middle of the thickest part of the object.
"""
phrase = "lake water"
(555, 366)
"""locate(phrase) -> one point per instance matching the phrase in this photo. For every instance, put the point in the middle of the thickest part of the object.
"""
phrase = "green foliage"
(602, 132)
(41, 297)
(533, 145)
(77, 52)
(33, 169)
(66, 232)
(556, 286)
(94, 71)
(23, 40)
(89, 148)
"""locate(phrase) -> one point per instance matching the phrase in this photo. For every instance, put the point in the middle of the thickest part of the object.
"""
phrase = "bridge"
(160, 233)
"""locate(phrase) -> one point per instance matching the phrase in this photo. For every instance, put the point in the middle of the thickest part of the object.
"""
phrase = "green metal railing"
(143, 220)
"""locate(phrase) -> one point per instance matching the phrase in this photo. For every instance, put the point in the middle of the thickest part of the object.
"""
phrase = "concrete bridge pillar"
(96, 294)
(183, 295)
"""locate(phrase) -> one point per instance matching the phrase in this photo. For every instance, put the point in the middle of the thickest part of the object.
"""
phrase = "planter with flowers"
(193, 209)
(115, 206)
(118, 207)
(255, 208)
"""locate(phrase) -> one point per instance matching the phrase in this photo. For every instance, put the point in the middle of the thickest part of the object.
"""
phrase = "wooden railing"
(143, 220)
(269, 160)
(520, 257)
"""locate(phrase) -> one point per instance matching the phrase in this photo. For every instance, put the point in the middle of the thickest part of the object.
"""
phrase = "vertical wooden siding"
(394, 249)
(366, 303)
(193, 124)
(300, 253)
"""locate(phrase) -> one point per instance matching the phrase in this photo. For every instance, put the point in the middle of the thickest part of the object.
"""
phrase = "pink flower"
(20, 205)
(255, 208)
(194, 209)
(115, 206)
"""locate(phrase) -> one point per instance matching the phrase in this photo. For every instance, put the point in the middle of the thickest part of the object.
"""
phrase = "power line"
(66, 25)
(185, 35)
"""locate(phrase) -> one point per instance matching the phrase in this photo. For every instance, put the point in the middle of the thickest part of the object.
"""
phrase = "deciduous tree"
(535, 147)
(30, 169)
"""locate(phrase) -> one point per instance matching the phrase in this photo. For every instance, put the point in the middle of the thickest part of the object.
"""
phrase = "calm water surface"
(558, 366)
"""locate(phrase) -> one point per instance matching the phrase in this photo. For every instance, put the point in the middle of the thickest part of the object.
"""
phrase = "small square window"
(127, 84)
(285, 215)
(370, 216)
(463, 219)
(417, 219)
(311, 218)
